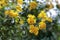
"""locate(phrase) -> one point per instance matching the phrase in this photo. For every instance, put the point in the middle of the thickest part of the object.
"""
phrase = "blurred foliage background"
(21, 20)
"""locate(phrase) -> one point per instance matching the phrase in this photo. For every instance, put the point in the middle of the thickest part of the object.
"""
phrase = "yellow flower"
(31, 16)
(42, 15)
(18, 8)
(20, 1)
(49, 19)
(13, 14)
(31, 21)
(21, 21)
(33, 5)
(33, 29)
(42, 25)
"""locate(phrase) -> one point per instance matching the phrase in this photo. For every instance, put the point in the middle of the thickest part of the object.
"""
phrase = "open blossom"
(44, 17)
(31, 19)
(33, 29)
(42, 25)
(33, 5)
(42, 14)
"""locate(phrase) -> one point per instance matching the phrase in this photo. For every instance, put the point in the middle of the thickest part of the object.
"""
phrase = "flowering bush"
(24, 21)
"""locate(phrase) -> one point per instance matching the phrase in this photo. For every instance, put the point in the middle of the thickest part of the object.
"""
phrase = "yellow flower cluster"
(31, 19)
(41, 25)
(33, 5)
(44, 17)
(33, 29)
(11, 13)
